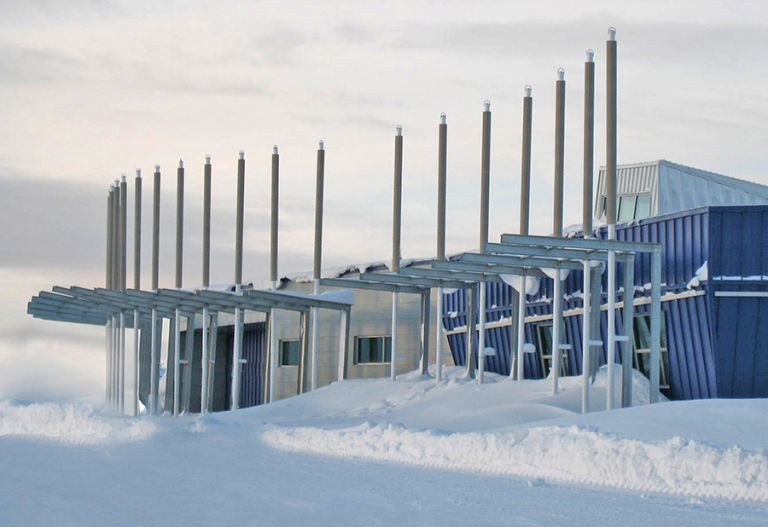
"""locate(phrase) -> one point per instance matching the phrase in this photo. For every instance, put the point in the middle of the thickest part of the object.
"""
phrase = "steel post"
(396, 228)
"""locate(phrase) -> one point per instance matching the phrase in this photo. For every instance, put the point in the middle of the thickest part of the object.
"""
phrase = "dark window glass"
(289, 353)
(373, 350)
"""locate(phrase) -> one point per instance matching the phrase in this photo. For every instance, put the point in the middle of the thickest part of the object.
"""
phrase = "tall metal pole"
(525, 169)
(273, 245)
(396, 227)
(317, 263)
(238, 344)
(137, 286)
(485, 190)
(154, 371)
(205, 352)
(557, 223)
(108, 275)
(123, 266)
(179, 264)
(442, 164)
(518, 370)
(610, 178)
(589, 140)
(115, 286)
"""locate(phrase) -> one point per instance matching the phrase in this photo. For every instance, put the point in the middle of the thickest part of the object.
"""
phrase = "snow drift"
(574, 454)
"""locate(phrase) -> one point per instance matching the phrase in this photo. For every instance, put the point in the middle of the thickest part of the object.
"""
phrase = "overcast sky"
(92, 89)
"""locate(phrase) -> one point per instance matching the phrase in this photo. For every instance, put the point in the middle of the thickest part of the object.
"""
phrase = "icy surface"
(375, 452)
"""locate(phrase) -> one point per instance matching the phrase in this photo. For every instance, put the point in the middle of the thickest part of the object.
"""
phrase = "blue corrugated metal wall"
(739, 263)
(717, 346)
(252, 373)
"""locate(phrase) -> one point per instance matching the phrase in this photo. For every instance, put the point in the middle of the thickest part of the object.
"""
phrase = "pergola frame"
(99, 306)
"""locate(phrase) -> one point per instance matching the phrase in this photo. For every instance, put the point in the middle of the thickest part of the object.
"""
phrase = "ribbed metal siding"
(632, 179)
(252, 382)
(739, 248)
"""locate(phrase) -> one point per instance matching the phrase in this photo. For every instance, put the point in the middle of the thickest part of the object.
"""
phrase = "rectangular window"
(643, 207)
(373, 350)
(642, 341)
(544, 333)
(289, 352)
(626, 210)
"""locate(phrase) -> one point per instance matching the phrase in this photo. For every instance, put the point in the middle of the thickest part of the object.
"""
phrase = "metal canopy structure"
(537, 256)
(98, 306)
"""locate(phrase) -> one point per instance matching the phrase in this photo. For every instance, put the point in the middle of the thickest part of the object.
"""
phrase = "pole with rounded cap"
(273, 342)
(517, 370)
(557, 226)
(610, 179)
(442, 164)
(137, 286)
(206, 341)
(123, 261)
(485, 184)
(396, 227)
(318, 255)
(238, 344)
(156, 324)
(108, 327)
(177, 318)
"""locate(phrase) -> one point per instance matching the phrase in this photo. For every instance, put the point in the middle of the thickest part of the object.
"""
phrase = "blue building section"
(715, 329)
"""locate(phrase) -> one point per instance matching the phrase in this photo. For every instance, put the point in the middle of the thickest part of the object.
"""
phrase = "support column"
(189, 343)
(137, 286)
(343, 338)
(425, 305)
(520, 362)
(586, 332)
(655, 324)
(628, 315)
(176, 362)
(485, 184)
(123, 272)
(396, 227)
(318, 255)
(273, 341)
(589, 140)
(610, 178)
(557, 329)
(442, 164)
(238, 337)
(206, 322)
(154, 377)
(517, 367)
(301, 378)
(157, 326)
(108, 326)
(472, 294)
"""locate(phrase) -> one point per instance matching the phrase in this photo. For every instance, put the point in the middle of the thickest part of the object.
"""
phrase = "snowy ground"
(384, 453)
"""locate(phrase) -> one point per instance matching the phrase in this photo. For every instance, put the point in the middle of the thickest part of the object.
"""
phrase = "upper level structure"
(661, 187)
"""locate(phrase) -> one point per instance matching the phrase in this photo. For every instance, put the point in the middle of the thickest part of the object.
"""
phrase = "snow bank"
(69, 423)
(574, 454)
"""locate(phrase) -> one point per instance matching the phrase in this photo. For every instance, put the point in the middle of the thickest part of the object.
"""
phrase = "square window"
(289, 352)
(373, 350)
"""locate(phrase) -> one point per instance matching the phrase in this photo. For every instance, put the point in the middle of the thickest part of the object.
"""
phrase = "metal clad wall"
(718, 347)
(739, 262)
(252, 383)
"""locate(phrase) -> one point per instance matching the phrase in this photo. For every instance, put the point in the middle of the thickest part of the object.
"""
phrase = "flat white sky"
(89, 90)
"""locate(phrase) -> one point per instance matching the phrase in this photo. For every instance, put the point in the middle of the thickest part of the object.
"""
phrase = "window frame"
(281, 363)
(387, 346)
